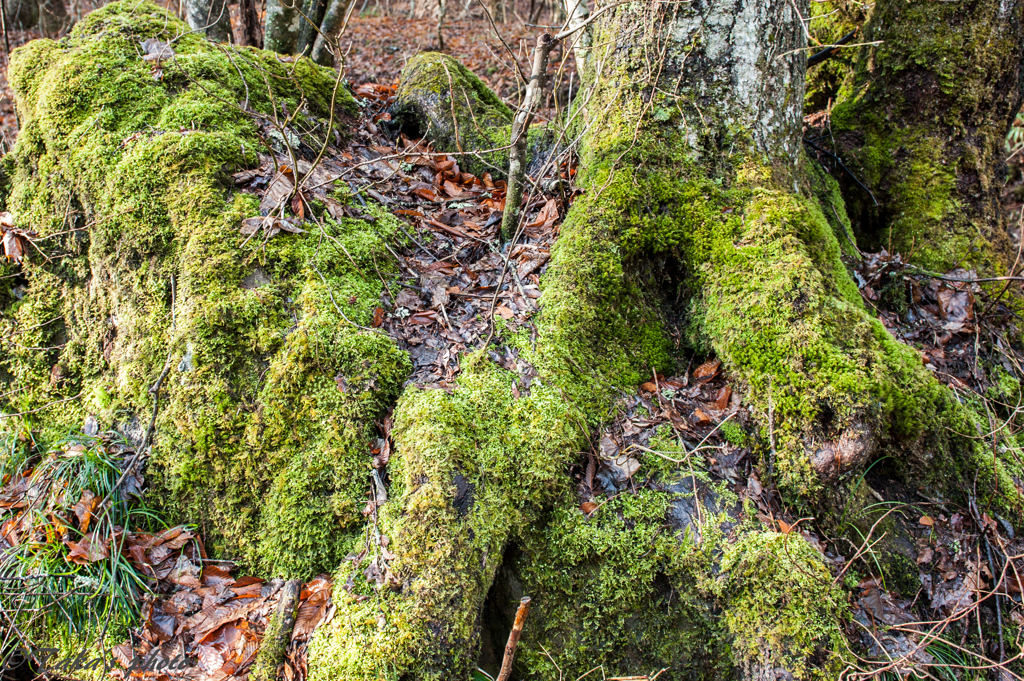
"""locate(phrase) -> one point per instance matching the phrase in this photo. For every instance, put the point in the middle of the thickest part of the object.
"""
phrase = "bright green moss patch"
(269, 401)
(780, 604)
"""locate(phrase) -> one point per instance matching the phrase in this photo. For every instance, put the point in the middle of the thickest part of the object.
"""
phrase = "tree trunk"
(334, 21)
(250, 20)
(209, 17)
(53, 17)
(281, 26)
(22, 14)
(309, 25)
(923, 124)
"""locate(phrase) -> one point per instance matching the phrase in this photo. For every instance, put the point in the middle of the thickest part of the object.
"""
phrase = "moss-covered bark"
(922, 122)
(128, 171)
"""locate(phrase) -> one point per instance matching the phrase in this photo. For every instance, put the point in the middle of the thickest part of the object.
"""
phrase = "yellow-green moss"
(779, 602)
(620, 590)
(267, 379)
(469, 469)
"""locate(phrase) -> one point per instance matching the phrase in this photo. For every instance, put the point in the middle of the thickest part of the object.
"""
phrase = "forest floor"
(454, 281)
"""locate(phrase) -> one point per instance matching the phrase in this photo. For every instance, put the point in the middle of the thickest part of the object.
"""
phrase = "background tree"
(308, 29)
(210, 17)
(922, 120)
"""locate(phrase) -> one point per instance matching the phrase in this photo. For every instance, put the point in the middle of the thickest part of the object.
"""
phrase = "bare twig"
(513, 638)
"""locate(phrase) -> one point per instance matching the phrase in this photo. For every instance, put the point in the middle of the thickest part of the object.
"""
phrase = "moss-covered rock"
(441, 99)
(269, 401)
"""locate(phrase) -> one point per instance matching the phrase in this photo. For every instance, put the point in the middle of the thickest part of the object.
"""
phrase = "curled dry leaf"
(84, 508)
(272, 226)
(86, 550)
(722, 398)
(15, 240)
(707, 370)
(156, 50)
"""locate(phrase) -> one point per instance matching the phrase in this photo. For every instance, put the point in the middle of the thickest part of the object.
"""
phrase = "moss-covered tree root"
(125, 173)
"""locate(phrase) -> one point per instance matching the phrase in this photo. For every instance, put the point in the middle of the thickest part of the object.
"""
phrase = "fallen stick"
(513, 638)
(520, 127)
(278, 634)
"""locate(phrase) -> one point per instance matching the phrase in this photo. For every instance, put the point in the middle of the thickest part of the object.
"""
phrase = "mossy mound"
(441, 99)
(123, 167)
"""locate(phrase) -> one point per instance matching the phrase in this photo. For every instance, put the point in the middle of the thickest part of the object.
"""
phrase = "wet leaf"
(722, 397)
(215, 576)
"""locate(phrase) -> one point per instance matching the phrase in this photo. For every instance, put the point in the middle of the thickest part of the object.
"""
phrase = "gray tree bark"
(309, 25)
(281, 26)
(210, 17)
(334, 21)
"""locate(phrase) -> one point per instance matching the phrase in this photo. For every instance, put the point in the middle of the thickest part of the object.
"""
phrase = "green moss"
(923, 117)
(733, 433)
(649, 582)
(830, 21)
(468, 469)
(616, 590)
(781, 604)
(266, 412)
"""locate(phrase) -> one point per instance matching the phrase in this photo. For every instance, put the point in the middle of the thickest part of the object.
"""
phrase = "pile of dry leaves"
(198, 621)
(209, 625)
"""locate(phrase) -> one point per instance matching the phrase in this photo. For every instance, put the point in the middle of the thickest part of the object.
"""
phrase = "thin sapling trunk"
(520, 127)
